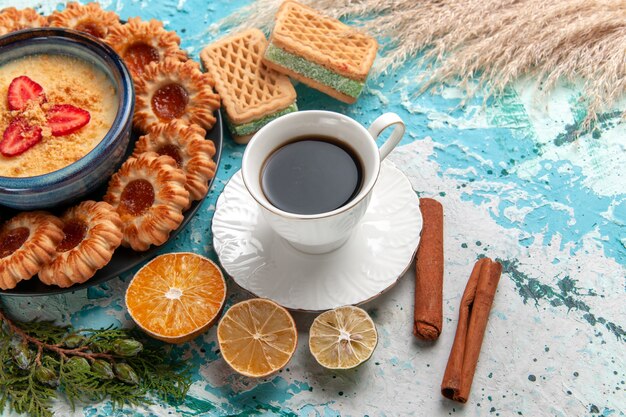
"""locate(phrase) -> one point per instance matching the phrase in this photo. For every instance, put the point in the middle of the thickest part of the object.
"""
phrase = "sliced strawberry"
(64, 119)
(19, 137)
(22, 90)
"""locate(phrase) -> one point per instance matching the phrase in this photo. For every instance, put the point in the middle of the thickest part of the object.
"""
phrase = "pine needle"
(40, 361)
(490, 42)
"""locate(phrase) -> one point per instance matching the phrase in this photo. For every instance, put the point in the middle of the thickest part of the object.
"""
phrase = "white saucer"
(379, 251)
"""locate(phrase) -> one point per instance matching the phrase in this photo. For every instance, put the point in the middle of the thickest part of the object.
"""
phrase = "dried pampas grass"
(487, 44)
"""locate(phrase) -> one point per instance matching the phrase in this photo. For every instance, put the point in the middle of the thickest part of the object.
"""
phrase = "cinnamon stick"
(428, 310)
(473, 315)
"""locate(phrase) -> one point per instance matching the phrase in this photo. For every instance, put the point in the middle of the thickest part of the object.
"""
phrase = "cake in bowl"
(63, 104)
(66, 106)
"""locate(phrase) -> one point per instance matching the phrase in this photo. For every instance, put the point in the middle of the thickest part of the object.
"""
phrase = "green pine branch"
(42, 361)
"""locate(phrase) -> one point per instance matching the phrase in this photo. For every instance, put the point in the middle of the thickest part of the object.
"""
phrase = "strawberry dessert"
(54, 109)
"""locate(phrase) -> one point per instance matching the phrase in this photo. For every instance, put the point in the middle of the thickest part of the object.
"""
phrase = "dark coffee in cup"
(311, 175)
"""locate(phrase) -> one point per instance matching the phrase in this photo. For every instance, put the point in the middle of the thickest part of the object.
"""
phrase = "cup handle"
(383, 122)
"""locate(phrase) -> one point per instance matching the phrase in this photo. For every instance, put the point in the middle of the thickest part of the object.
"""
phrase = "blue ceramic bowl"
(83, 176)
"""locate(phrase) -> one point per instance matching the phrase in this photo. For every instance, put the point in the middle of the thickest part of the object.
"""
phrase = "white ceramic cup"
(324, 232)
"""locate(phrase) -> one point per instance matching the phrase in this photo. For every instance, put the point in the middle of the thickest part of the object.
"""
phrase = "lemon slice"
(176, 296)
(257, 337)
(343, 338)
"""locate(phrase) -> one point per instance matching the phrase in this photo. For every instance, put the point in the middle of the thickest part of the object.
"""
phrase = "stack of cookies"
(319, 51)
(252, 95)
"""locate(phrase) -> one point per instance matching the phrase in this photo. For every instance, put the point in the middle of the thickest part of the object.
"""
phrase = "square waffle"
(320, 51)
(252, 94)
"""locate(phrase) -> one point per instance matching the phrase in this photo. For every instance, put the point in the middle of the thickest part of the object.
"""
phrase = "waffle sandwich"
(252, 95)
(320, 51)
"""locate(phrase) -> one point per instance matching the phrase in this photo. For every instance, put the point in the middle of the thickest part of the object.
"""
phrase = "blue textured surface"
(515, 184)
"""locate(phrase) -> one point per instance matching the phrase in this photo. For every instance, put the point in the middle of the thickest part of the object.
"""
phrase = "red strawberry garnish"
(22, 90)
(19, 137)
(64, 119)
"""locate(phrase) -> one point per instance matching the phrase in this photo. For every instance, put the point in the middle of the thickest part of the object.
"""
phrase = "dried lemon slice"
(257, 337)
(343, 338)
(176, 296)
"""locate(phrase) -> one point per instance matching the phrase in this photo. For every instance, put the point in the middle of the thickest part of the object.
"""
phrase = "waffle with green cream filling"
(251, 127)
(313, 71)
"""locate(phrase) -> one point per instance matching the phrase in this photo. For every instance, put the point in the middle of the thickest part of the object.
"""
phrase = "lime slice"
(342, 338)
